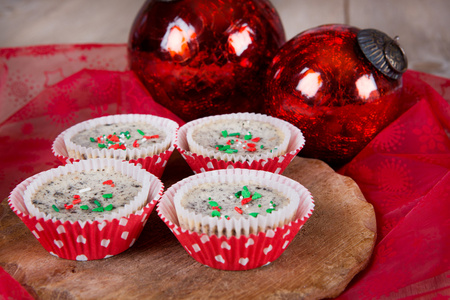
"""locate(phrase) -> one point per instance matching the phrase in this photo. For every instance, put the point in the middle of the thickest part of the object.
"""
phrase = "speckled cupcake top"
(85, 195)
(233, 200)
(119, 136)
(239, 136)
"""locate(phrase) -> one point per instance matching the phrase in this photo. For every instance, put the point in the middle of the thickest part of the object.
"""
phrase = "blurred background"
(422, 25)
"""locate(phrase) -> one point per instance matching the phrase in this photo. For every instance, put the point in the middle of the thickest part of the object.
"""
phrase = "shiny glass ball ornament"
(205, 57)
(339, 91)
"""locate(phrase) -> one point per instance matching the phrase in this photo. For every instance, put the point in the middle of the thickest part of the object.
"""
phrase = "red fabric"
(403, 172)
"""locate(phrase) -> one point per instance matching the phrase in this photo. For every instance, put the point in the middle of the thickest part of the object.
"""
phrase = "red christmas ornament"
(340, 85)
(205, 57)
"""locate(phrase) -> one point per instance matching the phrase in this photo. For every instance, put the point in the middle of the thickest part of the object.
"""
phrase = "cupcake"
(87, 210)
(235, 219)
(140, 139)
(240, 140)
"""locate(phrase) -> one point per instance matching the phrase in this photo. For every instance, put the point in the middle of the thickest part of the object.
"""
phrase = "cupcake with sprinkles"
(144, 139)
(241, 140)
(87, 210)
(235, 219)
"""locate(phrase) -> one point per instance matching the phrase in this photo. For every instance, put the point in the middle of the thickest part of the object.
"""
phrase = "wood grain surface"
(332, 247)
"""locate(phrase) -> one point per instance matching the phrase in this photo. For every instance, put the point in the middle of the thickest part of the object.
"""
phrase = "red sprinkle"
(238, 210)
(136, 144)
(256, 139)
(216, 208)
(113, 138)
(229, 142)
(108, 182)
(68, 206)
(251, 145)
(99, 139)
(251, 149)
(151, 136)
(246, 200)
(76, 201)
(76, 197)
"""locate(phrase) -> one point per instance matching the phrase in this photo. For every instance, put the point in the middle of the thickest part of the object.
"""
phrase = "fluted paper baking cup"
(203, 162)
(93, 239)
(237, 253)
(81, 152)
(154, 164)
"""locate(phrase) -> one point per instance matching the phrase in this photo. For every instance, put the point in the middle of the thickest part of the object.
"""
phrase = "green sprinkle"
(232, 142)
(109, 207)
(97, 203)
(98, 209)
(246, 193)
(84, 207)
(270, 210)
(259, 205)
(140, 132)
(234, 134)
(238, 194)
(227, 217)
(261, 147)
(126, 134)
(215, 213)
(213, 203)
(229, 151)
(254, 214)
(101, 145)
(248, 137)
(55, 208)
(224, 133)
(256, 196)
(107, 196)
(92, 139)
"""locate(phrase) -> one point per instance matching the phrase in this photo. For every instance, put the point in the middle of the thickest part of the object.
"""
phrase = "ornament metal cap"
(383, 52)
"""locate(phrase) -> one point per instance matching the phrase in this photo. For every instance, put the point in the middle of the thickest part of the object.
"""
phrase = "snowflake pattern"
(430, 137)
(389, 140)
(394, 176)
(61, 109)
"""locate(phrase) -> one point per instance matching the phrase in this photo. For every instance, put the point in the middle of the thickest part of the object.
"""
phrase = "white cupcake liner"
(206, 152)
(201, 163)
(237, 253)
(237, 226)
(93, 239)
(80, 152)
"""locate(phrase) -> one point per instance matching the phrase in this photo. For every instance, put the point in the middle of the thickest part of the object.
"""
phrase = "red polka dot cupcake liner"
(92, 239)
(155, 164)
(236, 253)
(203, 163)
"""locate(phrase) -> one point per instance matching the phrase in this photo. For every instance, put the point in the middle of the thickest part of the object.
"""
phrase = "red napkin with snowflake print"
(403, 172)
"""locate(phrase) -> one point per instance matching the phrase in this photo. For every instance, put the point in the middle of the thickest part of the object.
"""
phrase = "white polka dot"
(139, 212)
(101, 226)
(266, 264)
(158, 161)
(286, 243)
(225, 245)
(81, 239)
(219, 258)
(60, 229)
(249, 243)
(196, 247)
(35, 234)
(108, 256)
(243, 261)
(202, 170)
(230, 167)
(123, 222)
(145, 222)
(210, 165)
(82, 257)
(204, 238)
(270, 233)
(164, 164)
(268, 249)
(53, 254)
(58, 243)
(132, 242)
(280, 158)
(176, 231)
(188, 250)
(105, 243)
(39, 227)
(144, 218)
(263, 163)
(124, 235)
(287, 233)
(277, 171)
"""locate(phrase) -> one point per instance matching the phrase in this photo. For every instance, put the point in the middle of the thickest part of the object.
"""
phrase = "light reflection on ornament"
(240, 40)
(177, 38)
(366, 87)
(310, 83)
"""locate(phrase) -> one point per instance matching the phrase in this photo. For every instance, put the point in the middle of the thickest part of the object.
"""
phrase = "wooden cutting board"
(332, 247)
